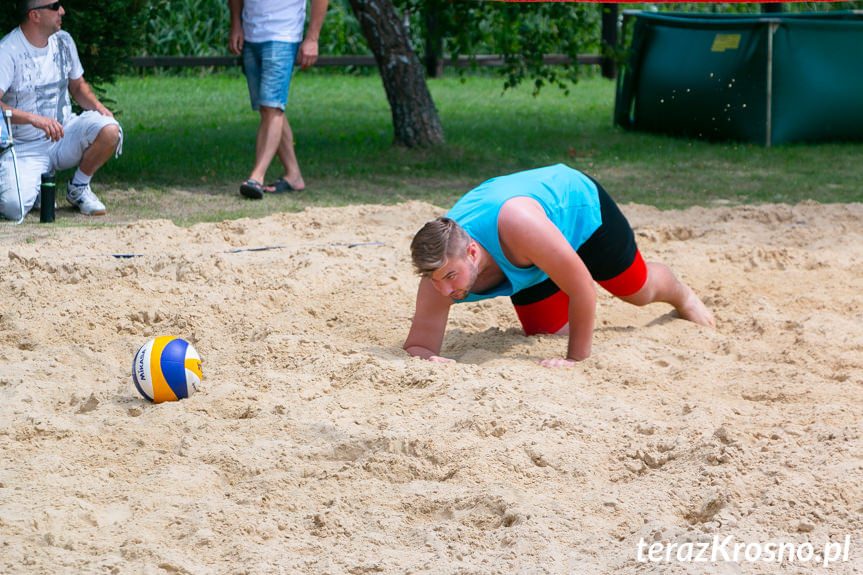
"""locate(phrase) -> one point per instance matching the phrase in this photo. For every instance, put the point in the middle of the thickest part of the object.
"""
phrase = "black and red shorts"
(610, 255)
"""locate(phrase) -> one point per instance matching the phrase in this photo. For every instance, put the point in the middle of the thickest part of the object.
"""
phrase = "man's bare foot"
(694, 310)
(296, 183)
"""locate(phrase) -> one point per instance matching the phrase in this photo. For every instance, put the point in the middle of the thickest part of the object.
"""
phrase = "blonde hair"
(436, 241)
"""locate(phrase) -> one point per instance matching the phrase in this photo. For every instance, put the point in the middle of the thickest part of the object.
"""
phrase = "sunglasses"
(55, 6)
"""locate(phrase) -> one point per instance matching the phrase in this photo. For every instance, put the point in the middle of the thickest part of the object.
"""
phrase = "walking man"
(269, 35)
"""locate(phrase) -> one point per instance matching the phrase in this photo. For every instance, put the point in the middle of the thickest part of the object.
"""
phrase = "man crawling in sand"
(541, 237)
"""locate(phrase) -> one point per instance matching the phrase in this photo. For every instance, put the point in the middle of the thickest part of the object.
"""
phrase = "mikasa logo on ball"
(141, 373)
(166, 369)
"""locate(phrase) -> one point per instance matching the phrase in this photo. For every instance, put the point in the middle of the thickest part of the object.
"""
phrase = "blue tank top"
(570, 201)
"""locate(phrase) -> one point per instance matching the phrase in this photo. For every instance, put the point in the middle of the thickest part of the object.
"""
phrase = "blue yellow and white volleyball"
(167, 369)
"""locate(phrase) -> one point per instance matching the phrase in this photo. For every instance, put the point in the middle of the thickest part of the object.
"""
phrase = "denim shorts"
(268, 67)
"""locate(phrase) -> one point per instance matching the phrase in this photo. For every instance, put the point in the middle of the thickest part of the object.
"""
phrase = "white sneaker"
(84, 198)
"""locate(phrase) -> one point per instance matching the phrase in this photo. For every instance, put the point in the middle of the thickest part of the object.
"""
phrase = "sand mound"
(316, 446)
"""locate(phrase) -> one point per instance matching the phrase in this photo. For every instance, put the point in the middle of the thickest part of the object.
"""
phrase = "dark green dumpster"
(765, 78)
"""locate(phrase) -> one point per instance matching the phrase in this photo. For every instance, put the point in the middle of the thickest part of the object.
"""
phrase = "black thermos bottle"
(48, 198)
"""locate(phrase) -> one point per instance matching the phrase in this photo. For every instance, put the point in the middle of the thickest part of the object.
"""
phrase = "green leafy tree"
(341, 34)
(520, 33)
(415, 118)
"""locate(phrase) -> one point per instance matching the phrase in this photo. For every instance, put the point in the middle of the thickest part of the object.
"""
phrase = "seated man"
(39, 69)
(541, 237)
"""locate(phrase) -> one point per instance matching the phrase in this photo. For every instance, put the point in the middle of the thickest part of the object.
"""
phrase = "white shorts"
(39, 157)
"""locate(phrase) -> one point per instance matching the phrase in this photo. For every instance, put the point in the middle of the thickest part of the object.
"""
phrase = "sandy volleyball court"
(316, 446)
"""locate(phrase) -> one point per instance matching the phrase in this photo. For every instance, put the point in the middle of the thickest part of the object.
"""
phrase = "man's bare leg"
(267, 143)
(662, 286)
(102, 148)
(288, 157)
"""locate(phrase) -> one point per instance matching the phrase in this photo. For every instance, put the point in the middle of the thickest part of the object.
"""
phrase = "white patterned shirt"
(36, 80)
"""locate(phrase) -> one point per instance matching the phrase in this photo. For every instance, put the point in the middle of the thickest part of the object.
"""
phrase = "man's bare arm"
(83, 94)
(236, 38)
(308, 52)
(425, 337)
(52, 128)
(532, 239)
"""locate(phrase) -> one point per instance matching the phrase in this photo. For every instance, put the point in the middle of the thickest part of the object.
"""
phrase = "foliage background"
(521, 32)
(107, 33)
(200, 27)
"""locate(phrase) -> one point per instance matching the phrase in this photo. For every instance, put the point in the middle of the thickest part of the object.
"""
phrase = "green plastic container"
(765, 78)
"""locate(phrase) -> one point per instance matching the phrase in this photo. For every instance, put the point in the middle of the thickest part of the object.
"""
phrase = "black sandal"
(279, 186)
(252, 189)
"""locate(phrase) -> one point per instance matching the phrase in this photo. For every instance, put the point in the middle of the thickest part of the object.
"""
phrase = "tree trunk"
(434, 40)
(609, 40)
(415, 118)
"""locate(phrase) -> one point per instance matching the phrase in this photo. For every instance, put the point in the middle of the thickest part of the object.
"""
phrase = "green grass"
(190, 142)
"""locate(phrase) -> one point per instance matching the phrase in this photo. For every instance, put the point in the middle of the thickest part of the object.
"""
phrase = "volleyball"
(166, 369)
